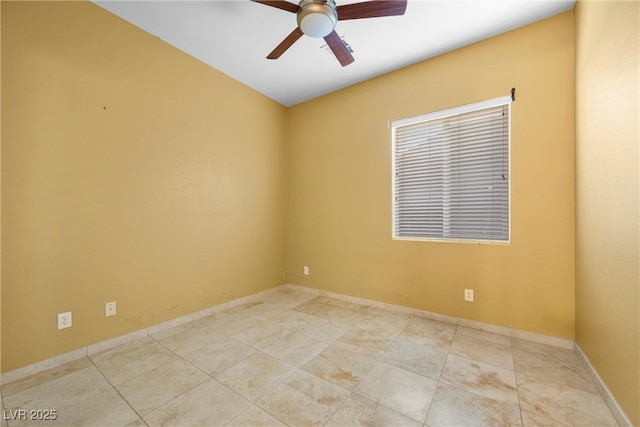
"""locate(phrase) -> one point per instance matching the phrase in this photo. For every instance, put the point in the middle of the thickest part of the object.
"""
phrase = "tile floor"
(293, 358)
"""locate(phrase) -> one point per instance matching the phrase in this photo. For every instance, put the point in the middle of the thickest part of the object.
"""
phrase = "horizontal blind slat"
(451, 176)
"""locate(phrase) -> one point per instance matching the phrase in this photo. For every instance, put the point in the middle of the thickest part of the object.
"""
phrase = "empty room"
(381, 213)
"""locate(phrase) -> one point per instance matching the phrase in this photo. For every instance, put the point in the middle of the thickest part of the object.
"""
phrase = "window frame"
(443, 114)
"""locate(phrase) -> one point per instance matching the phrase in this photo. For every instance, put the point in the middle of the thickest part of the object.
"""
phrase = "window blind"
(451, 174)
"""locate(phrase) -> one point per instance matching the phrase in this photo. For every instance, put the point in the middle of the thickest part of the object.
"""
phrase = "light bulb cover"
(316, 25)
(317, 19)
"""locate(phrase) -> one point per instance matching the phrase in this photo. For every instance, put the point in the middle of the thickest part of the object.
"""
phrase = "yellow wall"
(131, 172)
(128, 173)
(607, 163)
(1, 401)
(339, 186)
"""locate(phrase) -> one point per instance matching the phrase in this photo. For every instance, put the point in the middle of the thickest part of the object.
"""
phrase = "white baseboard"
(61, 359)
(616, 410)
(54, 362)
(487, 327)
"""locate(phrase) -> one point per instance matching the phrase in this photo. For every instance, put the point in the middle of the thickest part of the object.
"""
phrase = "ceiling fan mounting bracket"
(317, 18)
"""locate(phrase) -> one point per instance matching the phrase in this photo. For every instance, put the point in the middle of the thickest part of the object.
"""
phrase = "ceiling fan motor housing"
(317, 18)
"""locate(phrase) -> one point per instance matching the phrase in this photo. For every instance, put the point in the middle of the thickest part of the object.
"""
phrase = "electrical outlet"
(468, 295)
(64, 320)
(110, 309)
(306, 270)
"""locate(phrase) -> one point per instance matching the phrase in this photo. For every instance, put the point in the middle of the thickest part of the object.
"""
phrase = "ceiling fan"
(318, 18)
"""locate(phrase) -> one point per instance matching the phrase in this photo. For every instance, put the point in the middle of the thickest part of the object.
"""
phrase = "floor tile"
(558, 366)
(245, 308)
(341, 366)
(484, 335)
(358, 411)
(183, 328)
(209, 404)
(429, 332)
(322, 330)
(484, 351)
(304, 400)
(295, 349)
(364, 341)
(304, 359)
(137, 423)
(292, 319)
(126, 361)
(287, 298)
(256, 375)
(261, 335)
(353, 306)
(263, 312)
(555, 355)
(104, 409)
(60, 392)
(315, 307)
(561, 405)
(345, 317)
(3, 421)
(403, 391)
(220, 356)
(385, 323)
(485, 380)
(154, 388)
(255, 417)
(335, 302)
(535, 420)
(187, 338)
(229, 324)
(306, 324)
(452, 406)
(421, 359)
(45, 376)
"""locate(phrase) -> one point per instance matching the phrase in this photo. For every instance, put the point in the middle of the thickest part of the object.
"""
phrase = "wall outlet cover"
(468, 295)
(110, 309)
(64, 320)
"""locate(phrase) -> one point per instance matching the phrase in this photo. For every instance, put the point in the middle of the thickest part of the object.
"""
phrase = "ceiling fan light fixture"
(317, 18)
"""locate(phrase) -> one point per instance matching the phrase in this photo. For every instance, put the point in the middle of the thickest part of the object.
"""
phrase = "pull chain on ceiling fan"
(318, 18)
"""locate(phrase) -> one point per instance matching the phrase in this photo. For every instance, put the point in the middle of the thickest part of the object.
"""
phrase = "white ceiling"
(235, 36)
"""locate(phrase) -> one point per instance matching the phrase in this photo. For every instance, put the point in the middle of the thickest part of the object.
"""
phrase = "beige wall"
(131, 172)
(607, 162)
(339, 186)
(3, 423)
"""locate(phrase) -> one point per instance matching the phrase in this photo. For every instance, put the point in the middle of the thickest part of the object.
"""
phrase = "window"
(451, 174)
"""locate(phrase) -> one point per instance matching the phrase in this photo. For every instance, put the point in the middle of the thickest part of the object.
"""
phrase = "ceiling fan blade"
(284, 5)
(371, 9)
(285, 44)
(339, 49)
